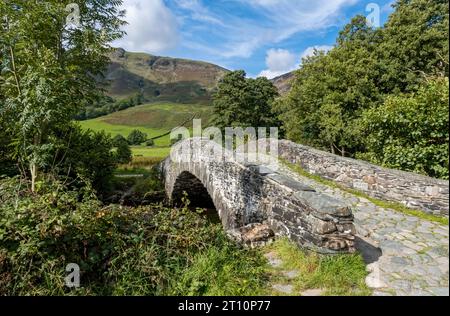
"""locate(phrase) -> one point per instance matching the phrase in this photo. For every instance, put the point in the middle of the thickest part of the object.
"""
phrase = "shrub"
(149, 250)
(173, 141)
(123, 153)
(118, 139)
(84, 154)
(410, 131)
(150, 143)
(136, 137)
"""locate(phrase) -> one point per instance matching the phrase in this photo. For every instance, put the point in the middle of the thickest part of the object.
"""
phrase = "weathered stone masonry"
(413, 190)
(245, 194)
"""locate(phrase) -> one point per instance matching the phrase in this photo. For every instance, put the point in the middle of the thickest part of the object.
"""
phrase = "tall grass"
(336, 275)
(222, 271)
(140, 163)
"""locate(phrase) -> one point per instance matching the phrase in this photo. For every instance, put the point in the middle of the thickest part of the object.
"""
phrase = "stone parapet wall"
(415, 191)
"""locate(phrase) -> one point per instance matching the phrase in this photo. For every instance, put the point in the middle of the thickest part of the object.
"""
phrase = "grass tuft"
(342, 275)
(222, 271)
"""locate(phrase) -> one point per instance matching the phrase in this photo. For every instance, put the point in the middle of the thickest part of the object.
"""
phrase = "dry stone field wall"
(245, 194)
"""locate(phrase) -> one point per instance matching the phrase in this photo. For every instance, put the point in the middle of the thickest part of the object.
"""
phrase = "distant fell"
(284, 82)
(161, 78)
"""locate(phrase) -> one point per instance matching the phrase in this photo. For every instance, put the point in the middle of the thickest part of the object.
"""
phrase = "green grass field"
(158, 152)
(154, 119)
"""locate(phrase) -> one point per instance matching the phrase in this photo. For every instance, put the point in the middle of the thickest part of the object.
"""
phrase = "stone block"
(290, 183)
(321, 203)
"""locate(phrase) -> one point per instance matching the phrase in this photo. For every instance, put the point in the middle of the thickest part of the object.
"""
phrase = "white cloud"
(267, 22)
(289, 17)
(156, 26)
(310, 50)
(279, 62)
(151, 27)
(285, 18)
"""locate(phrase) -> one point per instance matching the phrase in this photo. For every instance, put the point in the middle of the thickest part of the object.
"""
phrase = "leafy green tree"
(81, 156)
(49, 68)
(410, 131)
(331, 91)
(331, 125)
(139, 98)
(136, 137)
(243, 102)
(229, 100)
(173, 141)
(7, 163)
(118, 139)
(123, 153)
(415, 42)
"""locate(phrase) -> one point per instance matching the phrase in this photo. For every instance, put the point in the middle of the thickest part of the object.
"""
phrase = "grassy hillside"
(161, 78)
(154, 119)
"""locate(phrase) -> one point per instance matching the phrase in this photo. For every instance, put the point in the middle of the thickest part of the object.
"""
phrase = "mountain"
(161, 78)
(284, 82)
(158, 78)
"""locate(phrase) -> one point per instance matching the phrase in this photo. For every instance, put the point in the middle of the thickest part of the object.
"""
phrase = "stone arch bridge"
(406, 254)
(246, 193)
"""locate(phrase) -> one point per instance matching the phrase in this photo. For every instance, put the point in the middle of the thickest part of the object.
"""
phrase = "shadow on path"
(369, 252)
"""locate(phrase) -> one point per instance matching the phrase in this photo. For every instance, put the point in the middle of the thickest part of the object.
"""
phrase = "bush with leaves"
(175, 140)
(84, 154)
(150, 143)
(136, 137)
(118, 139)
(120, 250)
(410, 131)
(123, 153)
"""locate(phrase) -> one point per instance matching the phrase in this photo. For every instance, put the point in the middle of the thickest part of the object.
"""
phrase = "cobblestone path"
(406, 255)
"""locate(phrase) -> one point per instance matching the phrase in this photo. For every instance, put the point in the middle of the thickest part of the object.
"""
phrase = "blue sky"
(263, 37)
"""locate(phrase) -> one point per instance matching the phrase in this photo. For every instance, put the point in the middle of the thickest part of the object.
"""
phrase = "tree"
(123, 153)
(331, 90)
(118, 139)
(49, 68)
(331, 125)
(7, 164)
(173, 141)
(415, 42)
(242, 102)
(410, 131)
(136, 137)
(84, 155)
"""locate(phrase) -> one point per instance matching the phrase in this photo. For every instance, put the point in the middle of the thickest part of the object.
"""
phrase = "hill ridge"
(160, 78)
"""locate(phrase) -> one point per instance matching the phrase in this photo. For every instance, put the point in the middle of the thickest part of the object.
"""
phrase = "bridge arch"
(198, 194)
